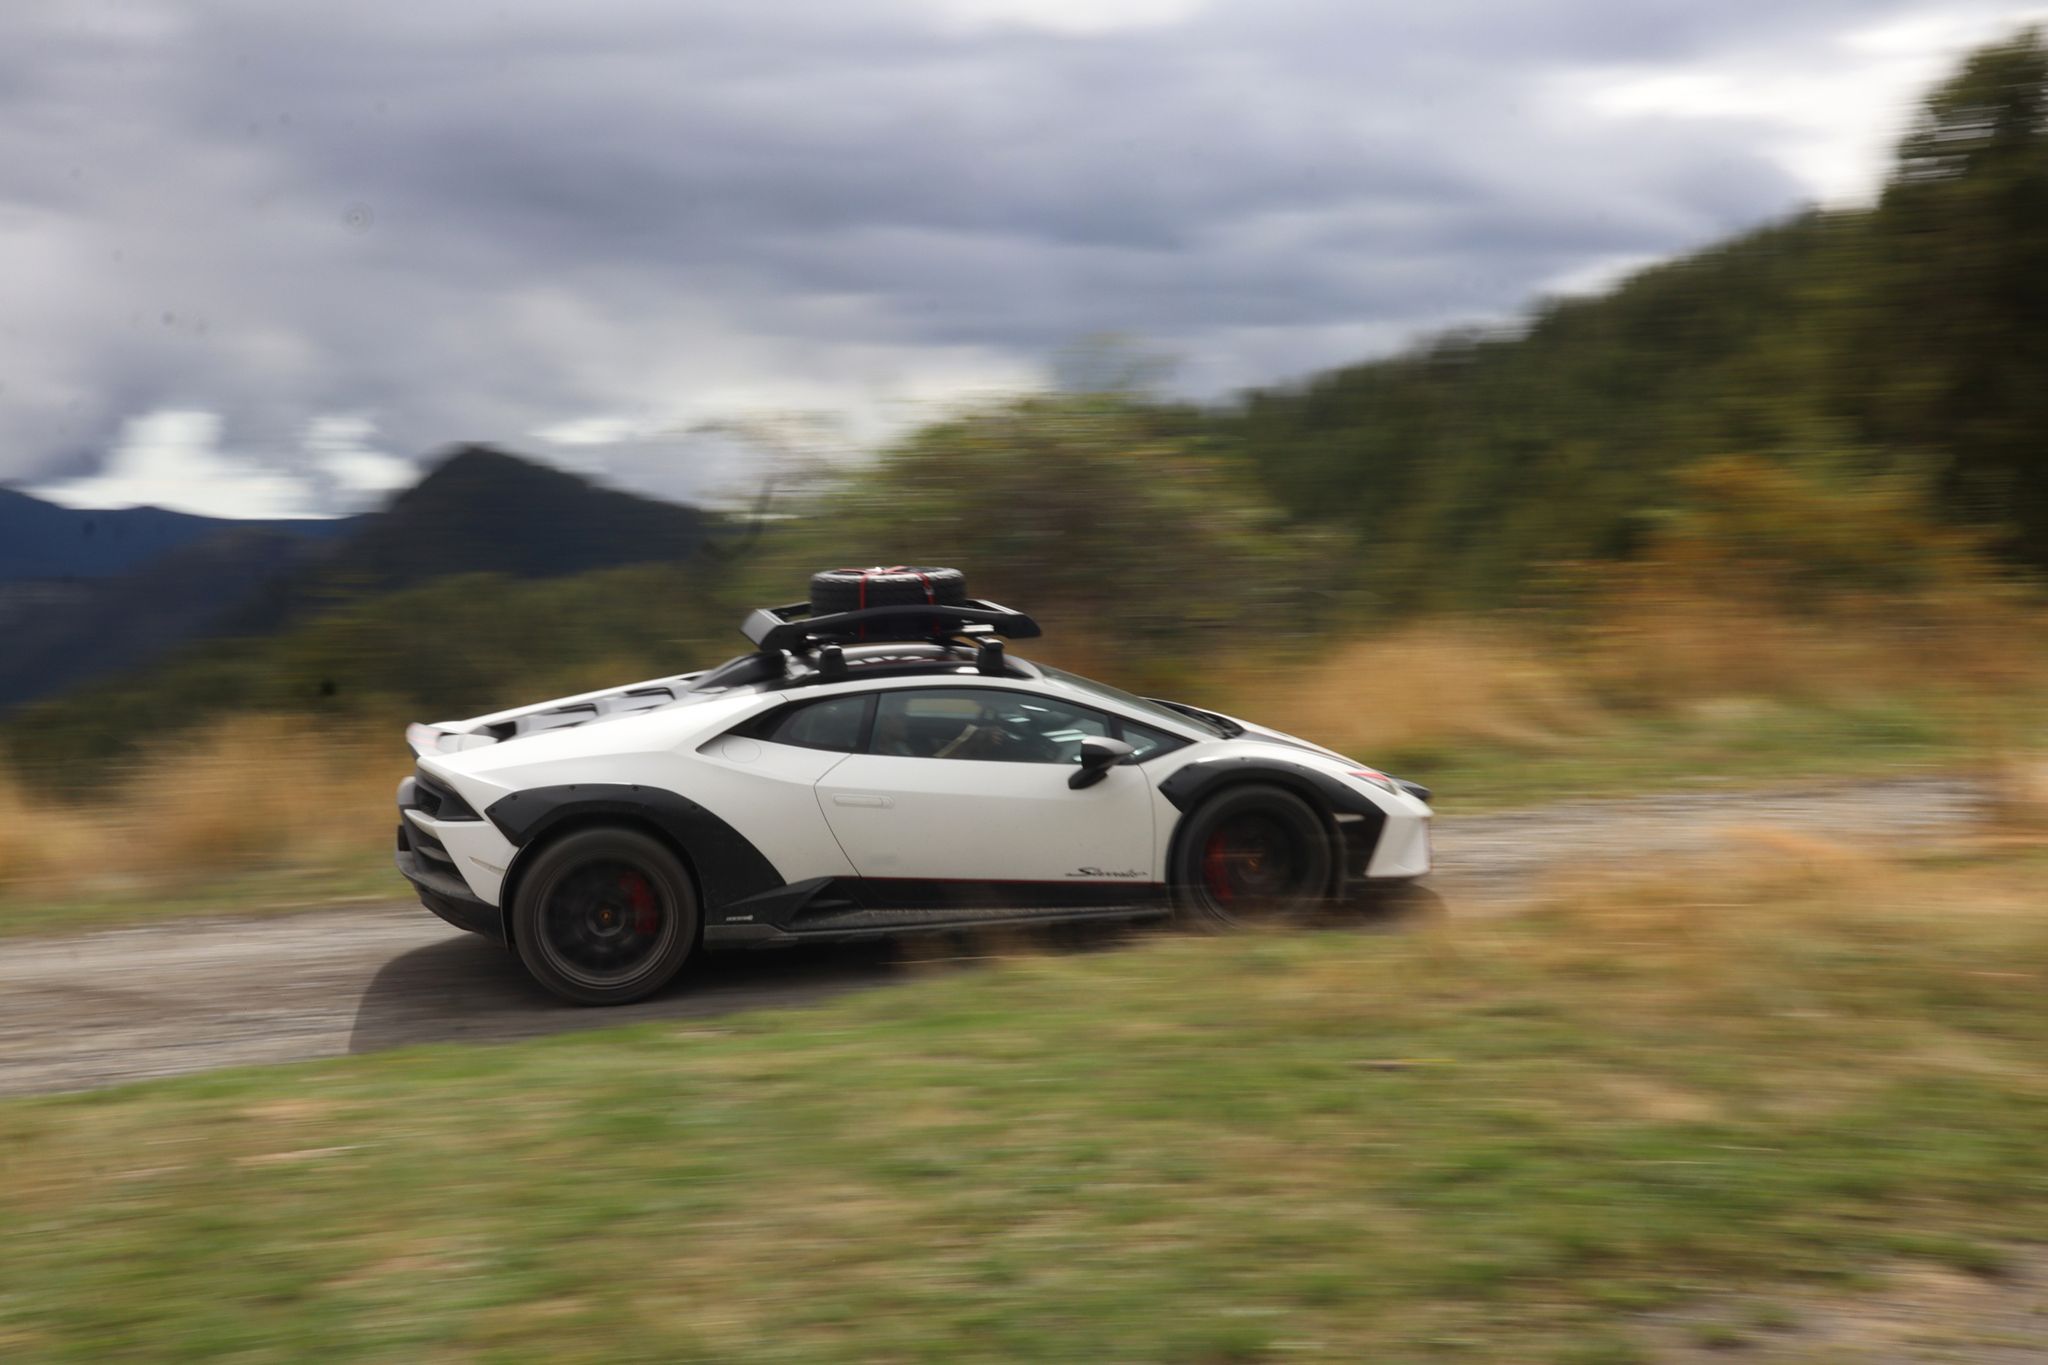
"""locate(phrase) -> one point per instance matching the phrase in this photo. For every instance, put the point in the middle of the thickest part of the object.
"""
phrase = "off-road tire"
(605, 916)
(1252, 854)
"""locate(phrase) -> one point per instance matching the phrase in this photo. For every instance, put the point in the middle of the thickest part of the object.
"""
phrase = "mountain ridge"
(40, 539)
(478, 509)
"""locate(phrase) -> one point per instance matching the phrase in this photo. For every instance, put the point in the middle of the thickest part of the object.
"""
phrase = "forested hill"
(483, 510)
(1908, 340)
(43, 540)
(478, 511)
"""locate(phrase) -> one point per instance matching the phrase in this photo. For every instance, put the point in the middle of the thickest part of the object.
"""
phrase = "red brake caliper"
(1216, 867)
(645, 918)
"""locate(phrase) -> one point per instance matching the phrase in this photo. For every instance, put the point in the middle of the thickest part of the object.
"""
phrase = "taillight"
(1376, 777)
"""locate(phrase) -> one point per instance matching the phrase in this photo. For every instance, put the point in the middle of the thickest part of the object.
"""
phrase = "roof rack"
(794, 629)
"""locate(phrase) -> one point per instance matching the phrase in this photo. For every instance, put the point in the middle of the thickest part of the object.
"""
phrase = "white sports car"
(878, 764)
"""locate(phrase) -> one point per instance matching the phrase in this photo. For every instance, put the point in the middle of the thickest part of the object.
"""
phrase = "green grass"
(1498, 1140)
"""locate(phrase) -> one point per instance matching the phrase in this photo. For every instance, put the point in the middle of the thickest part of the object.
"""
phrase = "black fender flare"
(1189, 786)
(728, 867)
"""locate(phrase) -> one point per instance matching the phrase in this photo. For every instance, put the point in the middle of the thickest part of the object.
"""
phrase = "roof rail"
(794, 629)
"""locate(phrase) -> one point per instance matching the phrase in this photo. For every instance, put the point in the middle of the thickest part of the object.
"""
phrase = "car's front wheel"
(605, 916)
(1252, 854)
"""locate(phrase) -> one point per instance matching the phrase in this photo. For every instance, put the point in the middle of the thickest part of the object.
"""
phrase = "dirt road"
(126, 1004)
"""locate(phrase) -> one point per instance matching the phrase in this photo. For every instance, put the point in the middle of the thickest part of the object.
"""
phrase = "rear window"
(834, 723)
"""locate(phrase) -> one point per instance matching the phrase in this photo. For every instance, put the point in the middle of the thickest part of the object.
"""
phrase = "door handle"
(859, 799)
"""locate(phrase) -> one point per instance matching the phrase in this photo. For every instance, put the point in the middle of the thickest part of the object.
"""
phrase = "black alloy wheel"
(605, 916)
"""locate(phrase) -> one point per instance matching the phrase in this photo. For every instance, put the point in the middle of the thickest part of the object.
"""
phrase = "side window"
(983, 724)
(1145, 741)
(834, 723)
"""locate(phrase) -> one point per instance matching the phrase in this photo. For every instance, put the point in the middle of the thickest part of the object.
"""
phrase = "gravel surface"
(1488, 855)
(194, 995)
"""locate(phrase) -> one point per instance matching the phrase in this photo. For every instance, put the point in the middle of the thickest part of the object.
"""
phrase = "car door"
(969, 786)
(761, 778)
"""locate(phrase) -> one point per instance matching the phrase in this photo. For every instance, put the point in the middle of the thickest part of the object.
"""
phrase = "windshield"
(1132, 701)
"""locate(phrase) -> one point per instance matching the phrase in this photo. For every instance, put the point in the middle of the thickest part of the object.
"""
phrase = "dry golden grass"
(1430, 684)
(1737, 934)
(2018, 786)
(1650, 649)
(1701, 917)
(1749, 875)
(261, 792)
(1652, 645)
(1438, 684)
(236, 793)
(42, 844)
(273, 793)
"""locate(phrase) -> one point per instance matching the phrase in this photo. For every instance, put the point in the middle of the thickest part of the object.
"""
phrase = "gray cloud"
(479, 220)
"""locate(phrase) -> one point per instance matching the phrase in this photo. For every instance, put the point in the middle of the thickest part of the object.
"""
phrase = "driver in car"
(985, 739)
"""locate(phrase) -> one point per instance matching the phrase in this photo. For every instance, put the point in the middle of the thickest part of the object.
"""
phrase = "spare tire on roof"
(837, 590)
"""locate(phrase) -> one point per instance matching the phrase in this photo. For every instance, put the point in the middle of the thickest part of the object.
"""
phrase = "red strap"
(930, 593)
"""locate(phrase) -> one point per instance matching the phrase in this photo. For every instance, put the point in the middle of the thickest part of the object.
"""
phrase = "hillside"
(1460, 466)
(59, 635)
(458, 645)
(1900, 341)
(479, 511)
(42, 540)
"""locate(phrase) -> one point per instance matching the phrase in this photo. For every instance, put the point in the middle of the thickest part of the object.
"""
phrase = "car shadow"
(468, 989)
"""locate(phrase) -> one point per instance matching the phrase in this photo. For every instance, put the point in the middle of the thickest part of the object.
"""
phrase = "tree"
(1085, 506)
(1963, 245)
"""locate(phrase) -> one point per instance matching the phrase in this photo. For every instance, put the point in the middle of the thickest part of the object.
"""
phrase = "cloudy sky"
(258, 258)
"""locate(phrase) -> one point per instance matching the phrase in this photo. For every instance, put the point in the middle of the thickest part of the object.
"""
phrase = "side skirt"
(878, 924)
(831, 910)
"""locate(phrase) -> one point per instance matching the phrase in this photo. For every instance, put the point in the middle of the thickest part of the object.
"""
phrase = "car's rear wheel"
(1250, 855)
(605, 916)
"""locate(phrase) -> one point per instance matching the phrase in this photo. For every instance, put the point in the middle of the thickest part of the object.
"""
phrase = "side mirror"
(1098, 756)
